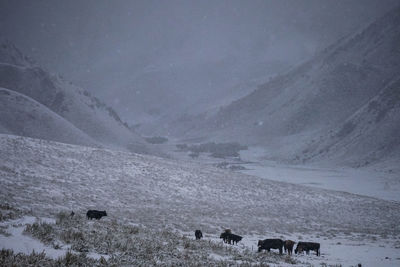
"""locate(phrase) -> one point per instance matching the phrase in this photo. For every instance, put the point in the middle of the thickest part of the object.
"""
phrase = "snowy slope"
(370, 135)
(21, 115)
(74, 104)
(45, 178)
(314, 99)
(150, 189)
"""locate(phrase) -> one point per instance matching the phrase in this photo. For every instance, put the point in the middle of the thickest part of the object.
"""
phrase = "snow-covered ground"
(373, 182)
(45, 178)
(357, 181)
(19, 242)
(363, 181)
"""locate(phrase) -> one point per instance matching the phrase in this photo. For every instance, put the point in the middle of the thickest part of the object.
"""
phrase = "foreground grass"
(9, 258)
(118, 243)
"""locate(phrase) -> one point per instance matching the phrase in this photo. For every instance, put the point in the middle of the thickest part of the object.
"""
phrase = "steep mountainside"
(313, 100)
(21, 115)
(75, 105)
(371, 134)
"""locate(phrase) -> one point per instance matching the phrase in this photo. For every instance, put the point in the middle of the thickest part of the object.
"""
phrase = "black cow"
(307, 246)
(95, 214)
(198, 234)
(228, 238)
(234, 238)
(288, 246)
(270, 243)
(224, 236)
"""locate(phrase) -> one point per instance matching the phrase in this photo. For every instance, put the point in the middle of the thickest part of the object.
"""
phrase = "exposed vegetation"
(217, 150)
(228, 166)
(7, 212)
(134, 245)
(156, 140)
(9, 258)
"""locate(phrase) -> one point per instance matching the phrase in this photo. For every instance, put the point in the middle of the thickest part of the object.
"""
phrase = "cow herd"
(287, 245)
(229, 238)
(268, 244)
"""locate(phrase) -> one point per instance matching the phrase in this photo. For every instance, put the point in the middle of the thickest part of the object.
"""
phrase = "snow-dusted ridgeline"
(310, 112)
(76, 105)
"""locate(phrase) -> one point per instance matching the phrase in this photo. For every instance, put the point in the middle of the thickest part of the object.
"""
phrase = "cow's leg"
(280, 251)
(307, 252)
(268, 249)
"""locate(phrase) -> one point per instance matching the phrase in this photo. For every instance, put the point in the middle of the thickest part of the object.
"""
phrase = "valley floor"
(174, 197)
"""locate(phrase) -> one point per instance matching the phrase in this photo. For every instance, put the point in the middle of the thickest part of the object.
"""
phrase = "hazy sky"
(187, 46)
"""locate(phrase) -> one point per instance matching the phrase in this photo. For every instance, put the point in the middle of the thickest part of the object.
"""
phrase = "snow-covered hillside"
(21, 115)
(370, 135)
(44, 178)
(311, 102)
(74, 104)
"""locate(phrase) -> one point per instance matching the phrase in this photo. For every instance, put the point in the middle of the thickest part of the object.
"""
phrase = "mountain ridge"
(74, 104)
(311, 101)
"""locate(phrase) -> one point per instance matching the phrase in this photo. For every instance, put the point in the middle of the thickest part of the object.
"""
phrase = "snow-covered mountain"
(21, 115)
(371, 134)
(75, 105)
(315, 100)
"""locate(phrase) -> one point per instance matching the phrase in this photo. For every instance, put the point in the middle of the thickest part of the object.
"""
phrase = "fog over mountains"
(343, 103)
(42, 105)
(156, 59)
(306, 81)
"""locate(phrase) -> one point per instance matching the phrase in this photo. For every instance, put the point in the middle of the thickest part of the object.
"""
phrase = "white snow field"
(375, 181)
(43, 178)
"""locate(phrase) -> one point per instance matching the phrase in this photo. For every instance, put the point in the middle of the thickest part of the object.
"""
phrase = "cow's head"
(299, 249)
(104, 213)
(259, 243)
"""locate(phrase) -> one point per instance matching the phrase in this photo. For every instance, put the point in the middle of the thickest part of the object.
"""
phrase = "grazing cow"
(198, 234)
(228, 237)
(234, 238)
(95, 214)
(224, 236)
(307, 246)
(270, 243)
(288, 246)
